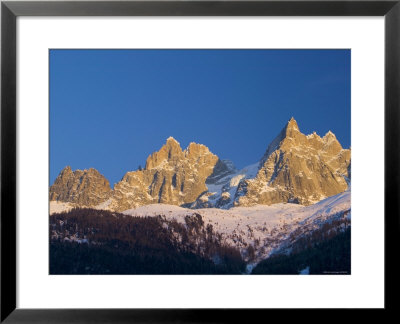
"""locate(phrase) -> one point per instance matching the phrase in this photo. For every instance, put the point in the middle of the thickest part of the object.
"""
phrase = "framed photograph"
(197, 160)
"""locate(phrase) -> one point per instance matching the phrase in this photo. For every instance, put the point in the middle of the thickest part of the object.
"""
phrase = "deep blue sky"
(110, 109)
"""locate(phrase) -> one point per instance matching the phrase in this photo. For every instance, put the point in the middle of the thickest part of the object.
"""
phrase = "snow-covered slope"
(266, 229)
(59, 207)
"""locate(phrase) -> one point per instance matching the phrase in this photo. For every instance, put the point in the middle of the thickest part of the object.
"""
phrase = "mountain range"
(295, 168)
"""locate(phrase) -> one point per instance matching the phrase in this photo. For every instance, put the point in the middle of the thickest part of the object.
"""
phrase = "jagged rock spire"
(290, 129)
(298, 168)
(172, 141)
(170, 150)
(292, 125)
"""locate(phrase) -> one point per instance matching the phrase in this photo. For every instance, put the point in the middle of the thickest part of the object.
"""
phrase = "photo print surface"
(201, 161)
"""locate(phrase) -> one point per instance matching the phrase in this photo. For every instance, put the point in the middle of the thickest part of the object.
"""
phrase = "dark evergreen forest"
(331, 256)
(90, 241)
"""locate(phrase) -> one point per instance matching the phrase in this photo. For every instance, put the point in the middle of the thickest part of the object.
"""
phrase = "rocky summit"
(295, 168)
(171, 176)
(82, 187)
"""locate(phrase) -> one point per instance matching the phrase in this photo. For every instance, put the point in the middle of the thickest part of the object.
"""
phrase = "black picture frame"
(10, 10)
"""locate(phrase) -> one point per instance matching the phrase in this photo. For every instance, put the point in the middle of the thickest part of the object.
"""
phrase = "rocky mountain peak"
(84, 187)
(331, 144)
(172, 142)
(329, 137)
(297, 168)
(291, 127)
(171, 151)
(291, 131)
(195, 150)
(66, 170)
(171, 176)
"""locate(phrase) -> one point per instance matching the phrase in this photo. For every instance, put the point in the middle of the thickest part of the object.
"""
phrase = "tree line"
(90, 241)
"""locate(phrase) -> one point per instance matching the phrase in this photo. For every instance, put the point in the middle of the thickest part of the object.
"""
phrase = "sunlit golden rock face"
(82, 187)
(297, 168)
(171, 176)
